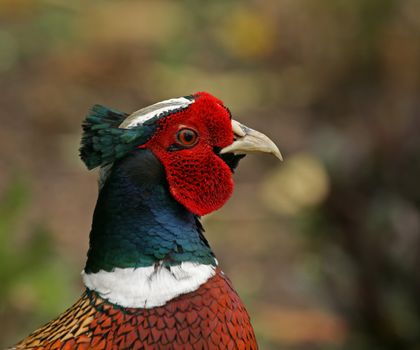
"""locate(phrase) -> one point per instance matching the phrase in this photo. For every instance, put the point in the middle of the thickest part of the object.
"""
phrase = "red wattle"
(207, 187)
(198, 178)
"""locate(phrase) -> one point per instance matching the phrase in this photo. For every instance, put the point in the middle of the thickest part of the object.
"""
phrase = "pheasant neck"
(137, 223)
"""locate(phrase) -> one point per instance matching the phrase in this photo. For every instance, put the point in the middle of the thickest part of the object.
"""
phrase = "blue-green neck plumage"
(137, 222)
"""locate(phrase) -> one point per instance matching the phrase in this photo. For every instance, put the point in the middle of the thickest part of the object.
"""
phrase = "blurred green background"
(324, 248)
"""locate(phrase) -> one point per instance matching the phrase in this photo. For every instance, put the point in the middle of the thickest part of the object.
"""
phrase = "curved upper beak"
(248, 140)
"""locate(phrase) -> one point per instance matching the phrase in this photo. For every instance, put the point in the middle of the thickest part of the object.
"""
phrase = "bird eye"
(187, 137)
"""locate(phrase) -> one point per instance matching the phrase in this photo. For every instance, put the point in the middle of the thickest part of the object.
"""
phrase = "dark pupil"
(188, 136)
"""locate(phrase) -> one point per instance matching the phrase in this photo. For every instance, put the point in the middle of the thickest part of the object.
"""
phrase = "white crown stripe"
(139, 117)
(147, 287)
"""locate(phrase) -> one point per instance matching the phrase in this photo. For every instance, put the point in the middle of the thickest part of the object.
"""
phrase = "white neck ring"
(147, 287)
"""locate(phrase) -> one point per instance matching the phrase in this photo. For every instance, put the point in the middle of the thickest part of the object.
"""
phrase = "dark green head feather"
(103, 141)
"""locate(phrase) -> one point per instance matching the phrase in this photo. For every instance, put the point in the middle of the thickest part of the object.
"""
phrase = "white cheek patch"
(139, 117)
(147, 287)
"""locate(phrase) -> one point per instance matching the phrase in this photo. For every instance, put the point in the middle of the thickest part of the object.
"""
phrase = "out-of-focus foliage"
(323, 248)
(33, 281)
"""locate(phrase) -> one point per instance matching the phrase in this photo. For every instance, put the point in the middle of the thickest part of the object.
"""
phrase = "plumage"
(213, 317)
(152, 280)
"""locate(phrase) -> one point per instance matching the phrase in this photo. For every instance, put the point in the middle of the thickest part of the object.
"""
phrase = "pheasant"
(152, 280)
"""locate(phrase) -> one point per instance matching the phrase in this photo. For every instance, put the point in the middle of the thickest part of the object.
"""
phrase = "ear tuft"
(103, 141)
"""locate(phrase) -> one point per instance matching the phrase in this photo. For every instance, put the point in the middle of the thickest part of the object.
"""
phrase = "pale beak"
(248, 140)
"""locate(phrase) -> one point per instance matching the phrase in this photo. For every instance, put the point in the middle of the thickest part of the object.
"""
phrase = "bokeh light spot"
(299, 183)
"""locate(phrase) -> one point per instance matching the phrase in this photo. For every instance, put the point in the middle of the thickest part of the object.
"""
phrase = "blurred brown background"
(323, 248)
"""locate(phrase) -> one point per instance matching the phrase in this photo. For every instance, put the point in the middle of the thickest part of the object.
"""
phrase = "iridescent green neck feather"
(137, 223)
